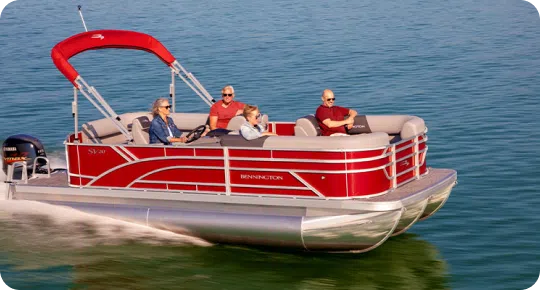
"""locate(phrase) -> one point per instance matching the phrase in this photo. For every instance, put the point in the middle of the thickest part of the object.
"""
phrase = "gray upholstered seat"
(307, 126)
(139, 130)
(104, 131)
(236, 122)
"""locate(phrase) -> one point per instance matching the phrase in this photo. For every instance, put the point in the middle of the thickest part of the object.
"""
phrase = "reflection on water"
(53, 247)
(41, 250)
(402, 263)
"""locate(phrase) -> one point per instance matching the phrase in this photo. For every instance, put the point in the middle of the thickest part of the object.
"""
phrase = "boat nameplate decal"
(93, 151)
(259, 177)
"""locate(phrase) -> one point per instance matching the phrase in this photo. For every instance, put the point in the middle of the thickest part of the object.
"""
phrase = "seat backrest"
(104, 131)
(307, 126)
(188, 121)
(139, 130)
(235, 123)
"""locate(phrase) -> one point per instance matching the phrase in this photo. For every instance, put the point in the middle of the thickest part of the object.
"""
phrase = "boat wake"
(39, 226)
(57, 159)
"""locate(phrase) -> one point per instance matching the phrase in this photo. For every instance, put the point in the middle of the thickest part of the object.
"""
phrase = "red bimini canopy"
(99, 39)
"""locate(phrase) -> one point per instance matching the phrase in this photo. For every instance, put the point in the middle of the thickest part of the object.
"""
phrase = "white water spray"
(2, 179)
(36, 224)
(39, 225)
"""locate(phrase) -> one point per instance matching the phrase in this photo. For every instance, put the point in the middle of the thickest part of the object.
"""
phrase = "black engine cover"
(22, 147)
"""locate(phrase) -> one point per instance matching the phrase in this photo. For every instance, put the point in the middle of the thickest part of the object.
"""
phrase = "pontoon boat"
(298, 189)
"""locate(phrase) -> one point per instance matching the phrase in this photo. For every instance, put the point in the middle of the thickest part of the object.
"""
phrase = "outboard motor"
(22, 147)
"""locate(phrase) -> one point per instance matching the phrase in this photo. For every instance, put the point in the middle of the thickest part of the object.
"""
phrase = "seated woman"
(251, 129)
(163, 130)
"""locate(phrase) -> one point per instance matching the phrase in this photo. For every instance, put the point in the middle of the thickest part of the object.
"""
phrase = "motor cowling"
(22, 147)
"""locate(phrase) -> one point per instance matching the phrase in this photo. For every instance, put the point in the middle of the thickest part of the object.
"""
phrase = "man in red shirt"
(331, 118)
(223, 111)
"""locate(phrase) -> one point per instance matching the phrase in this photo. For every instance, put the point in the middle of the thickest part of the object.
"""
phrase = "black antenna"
(82, 18)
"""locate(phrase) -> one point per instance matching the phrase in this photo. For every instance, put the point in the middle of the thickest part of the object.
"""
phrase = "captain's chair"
(139, 130)
(307, 126)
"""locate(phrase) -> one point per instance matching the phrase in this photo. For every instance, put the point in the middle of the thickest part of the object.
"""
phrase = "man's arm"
(333, 124)
(352, 113)
(213, 122)
(240, 108)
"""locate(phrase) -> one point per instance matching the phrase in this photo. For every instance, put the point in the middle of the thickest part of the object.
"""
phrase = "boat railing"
(419, 158)
(47, 163)
(400, 162)
(392, 176)
(10, 176)
(11, 172)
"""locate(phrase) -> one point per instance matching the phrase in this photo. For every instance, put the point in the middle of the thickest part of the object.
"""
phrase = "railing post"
(9, 179)
(24, 173)
(46, 162)
(394, 165)
(416, 158)
(227, 171)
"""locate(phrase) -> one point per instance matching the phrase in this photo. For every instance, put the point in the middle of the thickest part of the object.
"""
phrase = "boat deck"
(435, 178)
(57, 179)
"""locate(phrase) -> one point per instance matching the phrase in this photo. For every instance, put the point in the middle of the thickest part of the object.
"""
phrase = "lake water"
(470, 69)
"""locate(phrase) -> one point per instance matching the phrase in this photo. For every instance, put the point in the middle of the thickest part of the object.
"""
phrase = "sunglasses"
(330, 99)
(167, 107)
(227, 95)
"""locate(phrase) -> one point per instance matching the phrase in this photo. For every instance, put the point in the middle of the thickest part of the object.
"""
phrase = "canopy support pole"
(75, 113)
(172, 92)
(97, 100)
(192, 82)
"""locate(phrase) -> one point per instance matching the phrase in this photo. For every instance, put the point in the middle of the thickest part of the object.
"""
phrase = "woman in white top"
(251, 129)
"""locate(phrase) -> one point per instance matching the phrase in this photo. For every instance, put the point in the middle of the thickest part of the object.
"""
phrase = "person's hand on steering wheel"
(196, 133)
(179, 139)
(206, 131)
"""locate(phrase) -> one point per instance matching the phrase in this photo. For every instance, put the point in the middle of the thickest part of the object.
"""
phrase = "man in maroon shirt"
(223, 111)
(331, 118)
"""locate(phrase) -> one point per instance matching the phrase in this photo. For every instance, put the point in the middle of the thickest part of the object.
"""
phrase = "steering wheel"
(197, 132)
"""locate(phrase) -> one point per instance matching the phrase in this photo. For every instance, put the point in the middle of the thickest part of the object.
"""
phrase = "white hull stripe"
(307, 184)
(121, 154)
(128, 153)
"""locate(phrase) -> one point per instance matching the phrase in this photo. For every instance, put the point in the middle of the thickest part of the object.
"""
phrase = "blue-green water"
(470, 69)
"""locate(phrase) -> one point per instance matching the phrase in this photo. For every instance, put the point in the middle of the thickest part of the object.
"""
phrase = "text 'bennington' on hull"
(297, 189)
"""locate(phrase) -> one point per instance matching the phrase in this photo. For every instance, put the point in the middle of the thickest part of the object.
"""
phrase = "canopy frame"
(123, 39)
